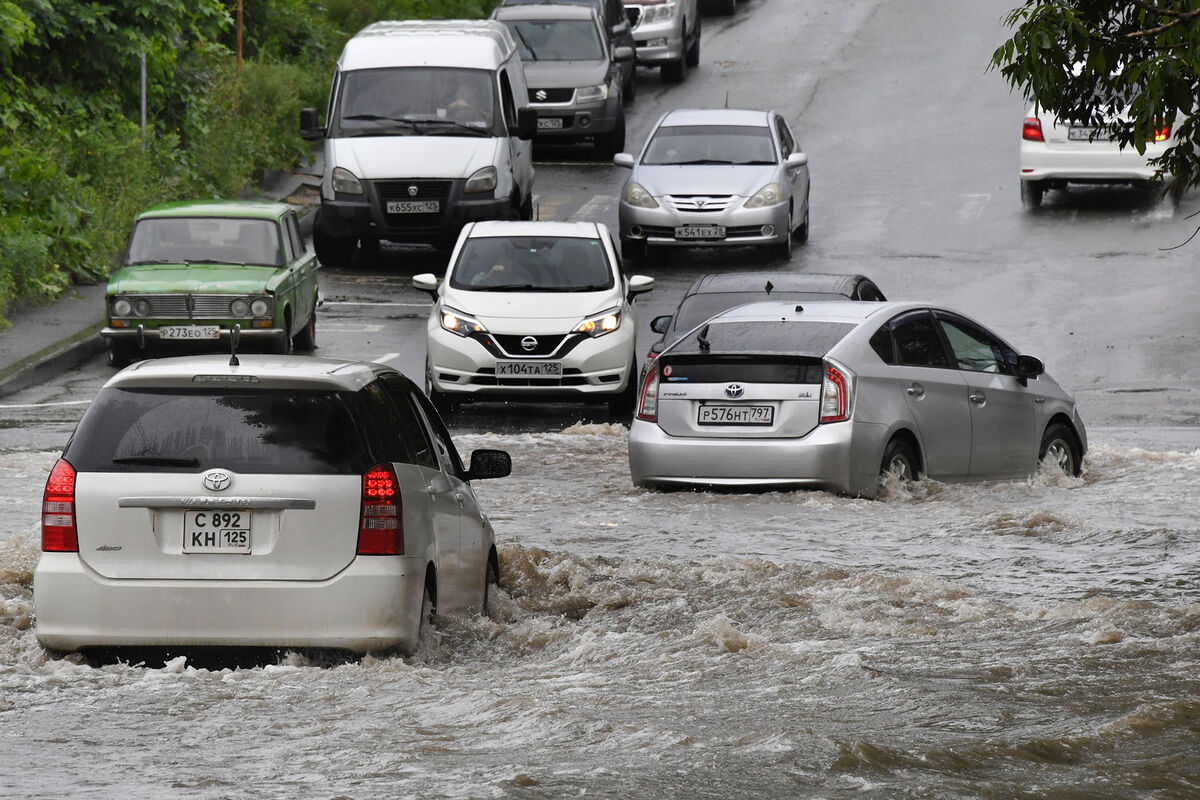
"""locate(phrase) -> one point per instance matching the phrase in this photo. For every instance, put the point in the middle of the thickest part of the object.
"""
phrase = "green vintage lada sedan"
(195, 272)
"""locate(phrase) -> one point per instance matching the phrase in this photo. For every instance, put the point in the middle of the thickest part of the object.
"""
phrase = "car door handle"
(916, 390)
(979, 398)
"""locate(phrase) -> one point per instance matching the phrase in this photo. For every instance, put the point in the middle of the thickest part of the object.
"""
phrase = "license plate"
(414, 206)
(189, 332)
(700, 232)
(529, 369)
(225, 530)
(736, 415)
(1080, 134)
(550, 123)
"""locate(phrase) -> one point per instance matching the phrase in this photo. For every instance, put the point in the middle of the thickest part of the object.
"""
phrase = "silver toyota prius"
(839, 395)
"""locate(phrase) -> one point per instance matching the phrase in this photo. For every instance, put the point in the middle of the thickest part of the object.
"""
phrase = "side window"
(392, 444)
(441, 438)
(975, 350)
(296, 242)
(787, 144)
(881, 343)
(917, 341)
(617, 255)
(407, 421)
(868, 291)
(508, 106)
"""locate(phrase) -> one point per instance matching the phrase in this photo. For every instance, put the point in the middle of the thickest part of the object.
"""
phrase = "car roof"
(254, 371)
(732, 282)
(469, 44)
(251, 209)
(715, 116)
(545, 11)
(851, 311)
(589, 230)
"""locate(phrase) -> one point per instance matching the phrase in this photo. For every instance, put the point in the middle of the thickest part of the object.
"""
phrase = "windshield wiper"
(160, 461)
(584, 288)
(508, 287)
(751, 163)
(382, 118)
(701, 161)
(524, 41)
(475, 129)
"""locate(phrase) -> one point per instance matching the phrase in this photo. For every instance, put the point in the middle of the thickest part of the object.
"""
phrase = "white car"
(1055, 153)
(279, 502)
(535, 311)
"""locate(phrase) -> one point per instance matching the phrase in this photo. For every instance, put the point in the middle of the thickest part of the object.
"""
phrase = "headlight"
(121, 307)
(344, 182)
(460, 324)
(141, 308)
(483, 180)
(659, 13)
(766, 196)
(638, 197)
(240, 308)
(601, 324)
(260, 308)
(591, 94)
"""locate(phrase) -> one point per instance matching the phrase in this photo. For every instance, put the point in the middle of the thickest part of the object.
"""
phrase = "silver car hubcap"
(1059, 454)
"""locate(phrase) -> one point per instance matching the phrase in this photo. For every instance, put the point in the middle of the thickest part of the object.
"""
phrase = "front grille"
(551, 95)
(510, 344)
(487, 377)
(701, 203)
(402, 190)
(194, 306)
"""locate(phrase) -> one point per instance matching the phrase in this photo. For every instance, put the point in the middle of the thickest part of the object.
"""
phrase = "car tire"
(526, 212)
(629, 89)
(1060, 449)
(282, 344)
(306, 339)
(899, 459)
(119, 353)
(491, 578)
(801, 233)
(1031, 193)
(633, 249)
(782, 250)
(728, 8)
(428, 619)
(692, 56)
(672, 71)
(621, 405)
(332, 251)
(609, 144)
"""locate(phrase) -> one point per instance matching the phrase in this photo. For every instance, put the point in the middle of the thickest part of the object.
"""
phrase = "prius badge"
(734, 390)
(217, 480)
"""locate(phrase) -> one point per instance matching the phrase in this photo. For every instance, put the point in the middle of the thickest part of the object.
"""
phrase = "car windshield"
(415, 101)
(710, 144)
(557, 39)
(698, 307)
(177, 240)
(272, 432)
(532, 263)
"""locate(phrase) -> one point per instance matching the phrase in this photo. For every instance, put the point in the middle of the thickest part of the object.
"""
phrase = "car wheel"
(282, 345)
(783, 249)
(119, 353)
(1031, 193)
(692, 57)
(633, 249)
(801, 233)
(428, 619)
(491, 578)
(1060, 450)
(729, 7)
(672, 71)
(900, 461)
(527, 209)
(620, 405)
(332, 251)
(306, 339)
(609, 144)
(629, 90)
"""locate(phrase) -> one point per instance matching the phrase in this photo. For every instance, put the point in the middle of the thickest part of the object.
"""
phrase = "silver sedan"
(842, 395)
(715, 177)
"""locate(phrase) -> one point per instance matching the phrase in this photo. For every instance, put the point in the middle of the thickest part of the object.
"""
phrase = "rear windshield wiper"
(159, 461)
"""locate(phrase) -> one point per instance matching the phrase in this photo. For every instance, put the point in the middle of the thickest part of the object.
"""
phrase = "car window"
(710, 144)
(532, 263)
(507, 105)
(881, 343)
(976, 350)
(786, 143)
(696, 308)
(443, 444)
(557, 39)
(294, 239)
(917, 341)
(868, 291)
(401, 433)
(220, 240)
(414, 101)
(791, 337)
(259, 431)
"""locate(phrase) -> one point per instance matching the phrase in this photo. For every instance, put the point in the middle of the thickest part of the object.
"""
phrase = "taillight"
(1162, 134)
(648, 396)
(58, 510)
(1032, 131)
(381, 524)
(835, 396)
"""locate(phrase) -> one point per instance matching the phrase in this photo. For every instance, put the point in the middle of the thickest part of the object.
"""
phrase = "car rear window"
(266, 431)
(743, 369)
(699, 307)
(791, 337)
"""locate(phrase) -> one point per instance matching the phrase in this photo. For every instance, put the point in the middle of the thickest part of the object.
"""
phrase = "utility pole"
(241, 8)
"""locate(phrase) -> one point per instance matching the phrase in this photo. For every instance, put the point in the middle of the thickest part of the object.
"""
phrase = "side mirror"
(796, 160)
(1029, 367)
(639, 284)
(310, 125)
(427, 282)
(623, 53)
(487, 464)
(623, 160)
(526, 123)
(661, 325)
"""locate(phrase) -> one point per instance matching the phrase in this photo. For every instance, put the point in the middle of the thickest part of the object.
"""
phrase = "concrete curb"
(57, 358)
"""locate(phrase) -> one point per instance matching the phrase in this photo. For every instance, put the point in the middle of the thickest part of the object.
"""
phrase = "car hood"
(545, 311)
(194, 278)
(705, 179)
(377, 157)
(565, 74)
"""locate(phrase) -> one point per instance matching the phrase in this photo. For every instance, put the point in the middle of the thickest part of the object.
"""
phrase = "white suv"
(277, 503)
(533, 310)
(667, 33)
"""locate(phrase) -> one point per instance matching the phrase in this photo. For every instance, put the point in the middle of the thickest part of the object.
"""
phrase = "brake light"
(648, 396)
(59, 534)
(1032, 132)
(835, 396)
(381, 523)
(1162, 134)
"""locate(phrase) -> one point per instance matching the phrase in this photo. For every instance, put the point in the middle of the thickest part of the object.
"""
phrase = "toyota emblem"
(529, 344)
(217, 480)
(734, 390)
(541, 95)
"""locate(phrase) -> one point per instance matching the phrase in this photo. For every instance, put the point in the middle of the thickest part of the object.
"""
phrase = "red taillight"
(1162, 134)
(648, 396)
(381, 523)
(58, 510)
(1032, 131)
(835, 396)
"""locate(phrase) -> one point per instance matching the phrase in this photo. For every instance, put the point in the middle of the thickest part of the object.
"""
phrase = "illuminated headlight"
(591, 94)
(601, 324)
(638, 197)
(483, 180)
(260, 307)
(121, 307)
(766, 196)
(658, 13)
(460, 324)
(344, 182)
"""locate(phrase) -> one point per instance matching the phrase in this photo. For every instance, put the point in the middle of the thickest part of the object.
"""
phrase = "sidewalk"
(45, 341)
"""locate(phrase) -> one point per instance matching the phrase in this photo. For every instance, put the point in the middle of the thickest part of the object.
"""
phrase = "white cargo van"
(428, 128)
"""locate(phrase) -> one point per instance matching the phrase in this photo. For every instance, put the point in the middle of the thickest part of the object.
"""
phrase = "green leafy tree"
(1133, 65)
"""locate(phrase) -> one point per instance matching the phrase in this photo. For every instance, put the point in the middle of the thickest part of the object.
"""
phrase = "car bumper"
(842, 457)
(140, 336)
(1050, 162)
(658, 43)
(372, 605)
(743, 226)
(364, 216)
(468, 367)
(576, 120)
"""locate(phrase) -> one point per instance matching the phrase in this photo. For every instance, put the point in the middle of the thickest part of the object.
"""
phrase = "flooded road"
(1029, 639)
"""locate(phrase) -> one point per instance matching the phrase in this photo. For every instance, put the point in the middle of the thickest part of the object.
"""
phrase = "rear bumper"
(1040, 162)
(372, 605)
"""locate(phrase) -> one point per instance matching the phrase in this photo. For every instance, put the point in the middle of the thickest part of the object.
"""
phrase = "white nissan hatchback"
(273, 503)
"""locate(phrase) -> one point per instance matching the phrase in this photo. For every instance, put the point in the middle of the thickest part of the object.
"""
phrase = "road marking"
(594, 210)
(973, 206)
(48, 405)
